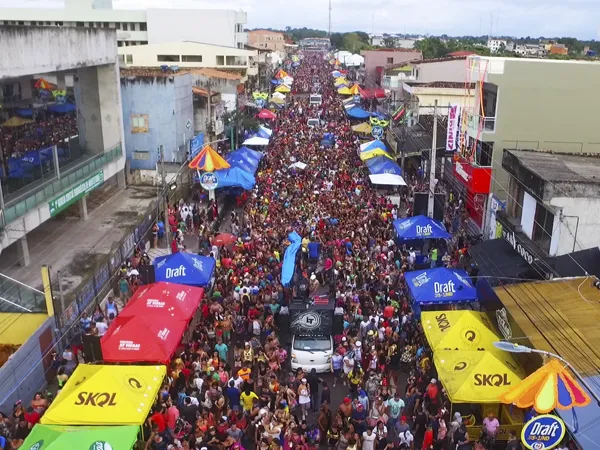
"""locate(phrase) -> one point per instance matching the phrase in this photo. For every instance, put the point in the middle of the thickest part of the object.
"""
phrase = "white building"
(188, 54)
(138, 27)
(496, 45)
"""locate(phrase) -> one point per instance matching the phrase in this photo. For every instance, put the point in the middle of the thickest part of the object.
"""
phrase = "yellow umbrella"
(339, 81)
(278, 100)
(459, 330)
(373, 153)
(364, 127)
(355, 89)
(472, 376)
(283, 88)
(16, 121)
(344, 91)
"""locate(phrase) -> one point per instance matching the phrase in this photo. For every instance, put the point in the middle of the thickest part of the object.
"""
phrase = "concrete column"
(109, 87)
(26, 88)
(60, 82)
(121, 179)
(23, 252)
(83, 212)
(88, 110)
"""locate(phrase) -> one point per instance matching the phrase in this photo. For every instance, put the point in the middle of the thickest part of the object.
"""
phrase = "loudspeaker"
(92, 350)
(338, 324)
(146, 273)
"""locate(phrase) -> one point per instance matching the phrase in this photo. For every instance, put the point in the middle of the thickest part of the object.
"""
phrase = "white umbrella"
(266, 130)
(258, 141)
(298, 165)
(279, 95)
(388, 179)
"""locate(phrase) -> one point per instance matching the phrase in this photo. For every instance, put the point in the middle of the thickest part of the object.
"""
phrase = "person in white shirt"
(101, 326)
(406, 438)
(368, 440)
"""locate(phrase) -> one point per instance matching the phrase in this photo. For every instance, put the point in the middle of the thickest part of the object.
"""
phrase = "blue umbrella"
(372, 145)
(420, 227)
(358, 113)
(440, 285)
(235, 177)
(184, 268)
(381, 164)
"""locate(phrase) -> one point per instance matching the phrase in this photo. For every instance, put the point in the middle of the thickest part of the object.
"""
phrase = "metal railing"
(49, 189)
(481, 122)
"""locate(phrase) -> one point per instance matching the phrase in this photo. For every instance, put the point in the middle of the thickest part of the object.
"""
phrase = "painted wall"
(455, 70)
(588, 211)
(167, 101)
(31, 51)
(374, 58)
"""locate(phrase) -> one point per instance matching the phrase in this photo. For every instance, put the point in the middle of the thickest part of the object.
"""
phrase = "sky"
(548, 18)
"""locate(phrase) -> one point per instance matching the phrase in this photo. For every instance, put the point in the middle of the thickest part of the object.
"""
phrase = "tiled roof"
(442, 84)
(202, 92)
(150, 72)
(461, 53)
(445, 58)
(215, 73)
(394, 50)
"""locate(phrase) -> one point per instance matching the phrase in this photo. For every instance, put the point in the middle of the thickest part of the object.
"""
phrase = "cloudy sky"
(574, 18)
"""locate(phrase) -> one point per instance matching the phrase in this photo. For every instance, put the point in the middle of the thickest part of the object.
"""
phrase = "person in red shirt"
(32, 417)
(158, 419)
(174, 246)
(388, 311)
(432, 393)
(428, 438)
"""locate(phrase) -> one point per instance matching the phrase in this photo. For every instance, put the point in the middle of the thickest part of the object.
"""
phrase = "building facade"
(376, 62)
(267, 39)
(138, 27)
(449, 69)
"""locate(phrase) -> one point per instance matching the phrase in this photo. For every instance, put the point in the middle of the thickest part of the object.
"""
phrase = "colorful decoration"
(399, 113)
(43, 84)
(376, 122)
(550, 387)
(208, 160)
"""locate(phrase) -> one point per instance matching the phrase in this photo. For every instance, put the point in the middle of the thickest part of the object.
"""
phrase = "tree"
(351, 42)
(337, 40)
(432, 47)
(389, 42)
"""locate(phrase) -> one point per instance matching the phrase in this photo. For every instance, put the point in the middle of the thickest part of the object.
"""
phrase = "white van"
(315, 99)
(312, 352)
(313, 122)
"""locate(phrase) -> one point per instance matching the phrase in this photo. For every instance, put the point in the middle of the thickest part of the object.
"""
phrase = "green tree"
(337, 40)
(575, 46)
(351, 42)
(432, 47)
(389, 42)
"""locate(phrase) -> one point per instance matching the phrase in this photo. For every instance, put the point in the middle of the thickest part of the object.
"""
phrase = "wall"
(215, 26)
(588, 211)
(268, 40)
(168, 103)
(455, 70)
(445, 97)
(528, 214)
(35, 50)
(375, 58)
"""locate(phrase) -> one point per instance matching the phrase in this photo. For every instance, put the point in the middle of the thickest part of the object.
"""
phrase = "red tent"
(266, 114)
(373, 93)
(142, 339)
(164, 299)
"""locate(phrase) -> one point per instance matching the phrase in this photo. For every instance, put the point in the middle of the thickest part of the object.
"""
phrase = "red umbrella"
(226, 239)
(266, 114)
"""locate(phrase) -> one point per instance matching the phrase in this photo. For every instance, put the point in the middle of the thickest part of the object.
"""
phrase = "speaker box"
(146, 273)
(92, 350)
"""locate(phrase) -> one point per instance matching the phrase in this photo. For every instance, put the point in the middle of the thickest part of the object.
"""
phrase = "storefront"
(474, 184)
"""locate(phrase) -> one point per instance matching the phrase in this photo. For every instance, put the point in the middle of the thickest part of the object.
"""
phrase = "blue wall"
(168, 103)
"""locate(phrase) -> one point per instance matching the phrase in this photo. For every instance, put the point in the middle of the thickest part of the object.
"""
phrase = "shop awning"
(184, 268)
(106, 395)
(440, 286)
(55, 437)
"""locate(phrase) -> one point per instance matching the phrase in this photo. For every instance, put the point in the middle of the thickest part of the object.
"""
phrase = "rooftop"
(444, 59)
(265, 32)
(442, 84)
(461, 53)
(202, 92)
(532, 60)
(158, 72)
(560, 167)
(392, 50)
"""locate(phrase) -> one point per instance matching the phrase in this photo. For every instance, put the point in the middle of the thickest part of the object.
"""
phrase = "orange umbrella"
(42, 84)
(208, 160)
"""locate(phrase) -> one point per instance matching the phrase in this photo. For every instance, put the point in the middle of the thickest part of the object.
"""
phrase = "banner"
(453, 127)
(75, 193)
(196, 144)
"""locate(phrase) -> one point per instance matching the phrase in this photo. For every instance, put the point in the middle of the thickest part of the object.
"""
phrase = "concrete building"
(424, 95)
(267, 39)
(138, 27)
(376, 61)
(189, 54)
(522, 104)
(496, 45)
(451, 68)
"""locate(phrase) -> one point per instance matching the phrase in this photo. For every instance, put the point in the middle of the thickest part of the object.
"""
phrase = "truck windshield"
(312, 343)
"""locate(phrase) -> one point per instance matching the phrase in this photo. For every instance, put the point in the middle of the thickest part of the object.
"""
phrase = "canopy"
(142, 339)
(235, 177)
(356, 90)
(62, 108)
(458, 330)
(387, 179)
(373, 93)
(184, 268)
(55, 437)
(164, 299)
(279, 95)
(358, 113)
(337, 74)
(208, 160)
(289, 258)
(16, 121)
(43, 84)
(344, 91)
(364, 156)
(473, 376)
(383, 165)
(263, 132)
(278, 100)
(106, 395)
(245, 158)
(258, 141)
(298, 165)
(276, 82)
(283, 88)
(440, 285)
(420, 227)
(281, 74)
(266, 114)
(354, 60)
(339, 81)
(372, 145)
(347, 101)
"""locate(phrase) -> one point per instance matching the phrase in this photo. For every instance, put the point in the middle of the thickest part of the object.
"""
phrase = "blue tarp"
(440, 285)
(62, 108)
(262, 133)
(373, 145)
(358, 113)
(420, 227)
(245, 158)
(588, 417)
(235, 177)
(383, 164)
(184, 268)
(25, 112)
(289, 258)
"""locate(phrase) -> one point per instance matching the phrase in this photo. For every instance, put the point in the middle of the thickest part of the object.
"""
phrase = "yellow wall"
(16, 328)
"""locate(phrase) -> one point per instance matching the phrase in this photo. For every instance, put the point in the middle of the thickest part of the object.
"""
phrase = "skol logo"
(100, 399)
(488, 379)
(442, 322)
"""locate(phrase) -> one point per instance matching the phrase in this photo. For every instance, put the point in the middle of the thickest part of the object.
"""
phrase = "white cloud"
(549, 18)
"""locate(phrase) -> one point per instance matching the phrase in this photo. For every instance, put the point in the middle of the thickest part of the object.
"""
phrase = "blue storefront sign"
(543, 432)
(196, 144)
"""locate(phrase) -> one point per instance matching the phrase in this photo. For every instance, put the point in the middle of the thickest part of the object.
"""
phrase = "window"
(141, 155)
(191, 58)
(119, 43)
(59, 24)
(168, 58)
(390, 60)
(230, 60)
(543, 227)
(79, 24)
(139, 123)
(143, 42)
(126, 26)
(21, 22)
(143, 26)
(220, 60)
(129, 59)
(121, 58)
(106, 24)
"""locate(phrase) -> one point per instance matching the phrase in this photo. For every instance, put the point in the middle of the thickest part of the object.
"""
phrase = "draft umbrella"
(164, 299)
(358, 113)
(420, 227)
(366, 155)
(142, 339)
(106, 395)
(344, 91)
(55, 437)
(441, 286)
(226, 239)
(283, 89)
(184, 268)
(364, 127)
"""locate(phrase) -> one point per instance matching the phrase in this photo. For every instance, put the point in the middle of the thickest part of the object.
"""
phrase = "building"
(138, 27)
(267, 39)
(530, 50)
(425, 95)
(522, 104)
(558, 49)
(449, 68)
(315, 43)
(496, 45)
(190, 54)
(376, 61)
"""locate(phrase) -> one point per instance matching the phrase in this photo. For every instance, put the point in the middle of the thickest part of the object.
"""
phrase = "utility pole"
(329, 32)
(165, 194)
(431, 197)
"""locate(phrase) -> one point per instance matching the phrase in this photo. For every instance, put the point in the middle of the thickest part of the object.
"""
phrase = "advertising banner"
(69, 197)
(452, 128)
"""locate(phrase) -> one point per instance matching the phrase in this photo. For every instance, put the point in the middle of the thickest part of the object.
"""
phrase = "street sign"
(188, 124)
(209, 181)
(377, 132)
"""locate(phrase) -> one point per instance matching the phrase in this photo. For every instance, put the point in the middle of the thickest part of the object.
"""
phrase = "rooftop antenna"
(498, 23)
(491, 25)
(481, 24)
(373, 24)
(329, 18)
